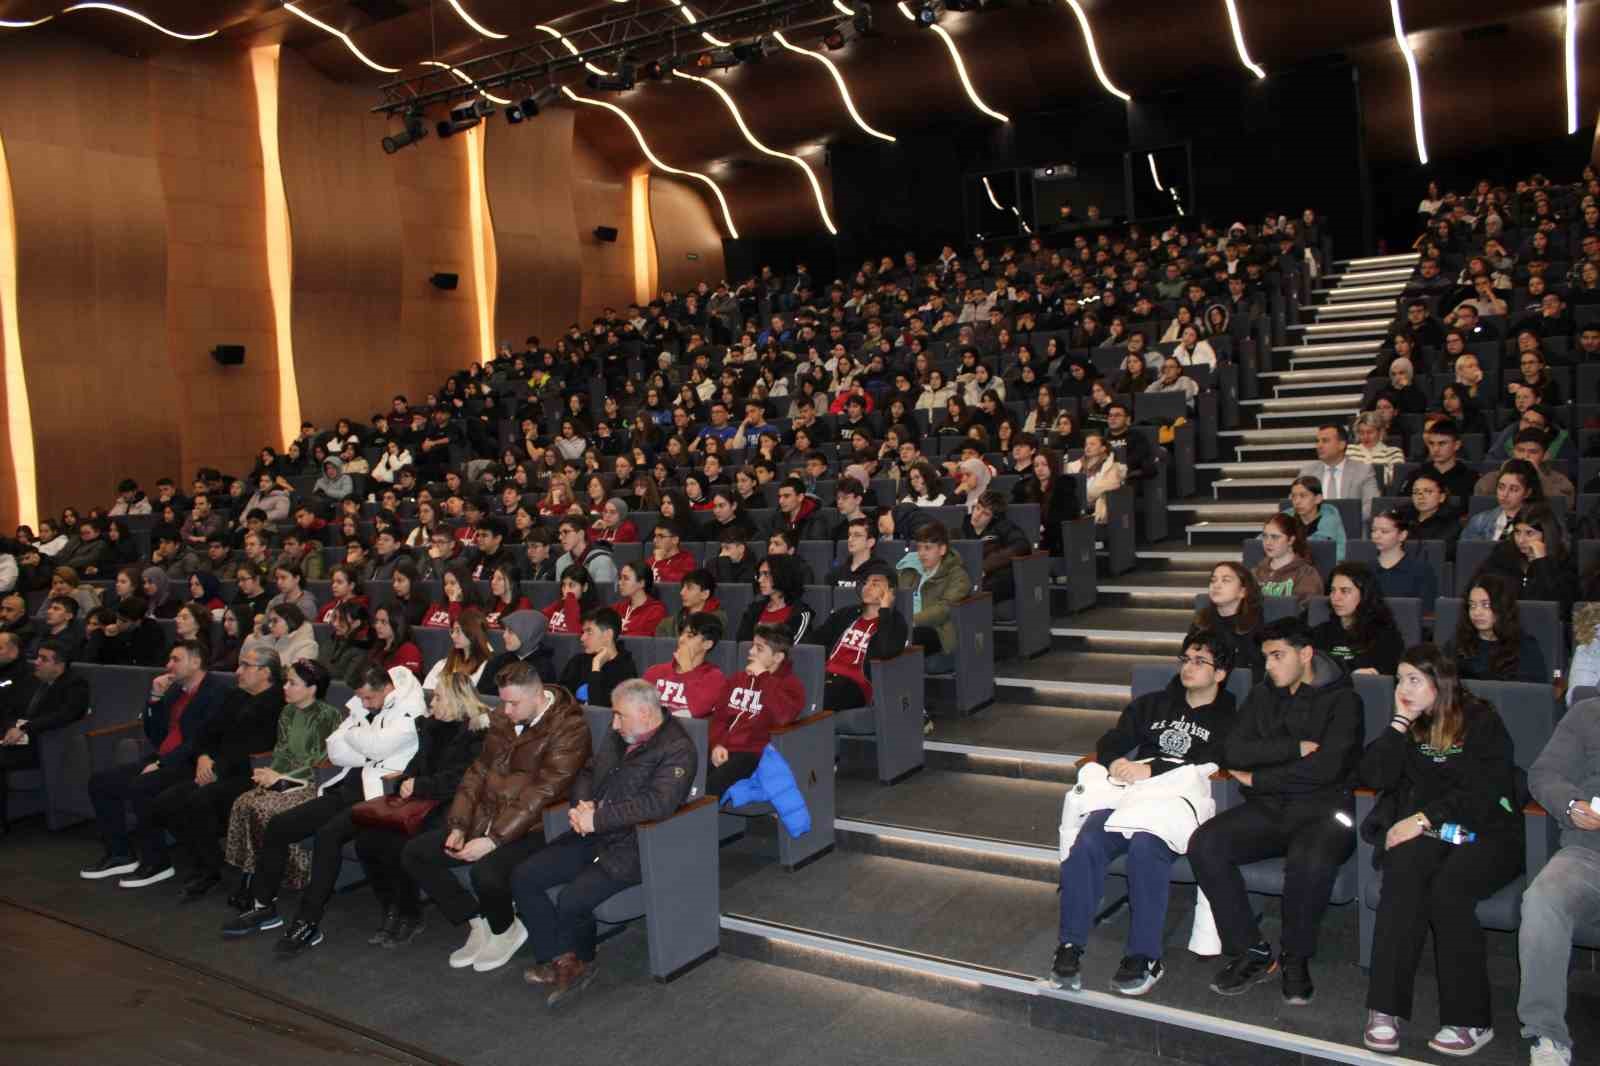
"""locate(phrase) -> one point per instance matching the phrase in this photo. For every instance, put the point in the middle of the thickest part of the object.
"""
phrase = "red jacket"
(673, 569)
(625, 533)
(751, 706)
(640, 621)
(494, 617)
(405, 655)
(442, 615)
(565, 615)
(695, 694)
(329, 609)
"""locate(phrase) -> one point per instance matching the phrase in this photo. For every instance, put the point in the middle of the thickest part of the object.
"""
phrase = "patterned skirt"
(247, 827)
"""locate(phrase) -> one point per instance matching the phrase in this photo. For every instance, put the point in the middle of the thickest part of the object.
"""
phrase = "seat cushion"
(856, 722)
(625, 906)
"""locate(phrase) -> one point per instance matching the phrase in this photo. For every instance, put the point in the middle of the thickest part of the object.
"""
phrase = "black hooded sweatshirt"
(1272, 723)
(1162, 727)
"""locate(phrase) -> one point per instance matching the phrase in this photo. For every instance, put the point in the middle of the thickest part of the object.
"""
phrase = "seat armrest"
(800, 723)
(1085, 761)
(111, 730)
(687, 808)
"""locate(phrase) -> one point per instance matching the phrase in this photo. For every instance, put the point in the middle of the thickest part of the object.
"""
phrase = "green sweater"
(303, 738)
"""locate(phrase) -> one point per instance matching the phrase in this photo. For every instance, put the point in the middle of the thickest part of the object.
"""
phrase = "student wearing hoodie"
(1320, 519)
(130, 501)
(780, 599)
(270, 499)
(856, 635)
(939, 581)
(764, 694)
(601, 665)
(799, 512)
(523, 634)
(1185, 723)
(1002, 541)
(1294, 748)
(698, 591)
(689, 685)
(334, 484)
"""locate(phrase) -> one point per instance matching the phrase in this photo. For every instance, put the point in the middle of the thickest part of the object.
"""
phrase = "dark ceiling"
(1490, 75)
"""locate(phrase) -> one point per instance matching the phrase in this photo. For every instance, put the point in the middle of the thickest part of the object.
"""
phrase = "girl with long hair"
(577, 598)
(392, 645)
(470, 650)
(1360, 634)
(1233, 612)
(1489, 643)
(1287, 569)
(1402, 574)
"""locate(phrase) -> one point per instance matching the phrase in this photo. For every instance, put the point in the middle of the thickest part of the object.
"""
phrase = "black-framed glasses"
(1195, 660)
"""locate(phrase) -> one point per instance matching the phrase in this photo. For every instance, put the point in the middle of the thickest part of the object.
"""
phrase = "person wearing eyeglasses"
(1184, 723)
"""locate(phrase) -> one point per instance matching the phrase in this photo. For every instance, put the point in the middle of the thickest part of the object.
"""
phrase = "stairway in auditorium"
(986, 807)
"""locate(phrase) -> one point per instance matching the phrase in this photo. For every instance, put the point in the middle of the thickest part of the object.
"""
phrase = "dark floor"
(1001, 808)
(1027, 727)
(146, 1009)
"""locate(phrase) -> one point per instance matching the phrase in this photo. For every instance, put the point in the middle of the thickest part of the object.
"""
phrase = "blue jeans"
(1083, 877)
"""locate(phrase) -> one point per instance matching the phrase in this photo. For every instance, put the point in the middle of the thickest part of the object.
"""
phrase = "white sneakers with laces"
(1546, 1052)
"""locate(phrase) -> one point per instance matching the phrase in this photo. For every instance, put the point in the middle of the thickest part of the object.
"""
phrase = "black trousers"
(380, 851)
(14, 757)
(740, 765)
(567, 925)
(927, 638)
(328, 818)
(1429, 885)
(196, 814)
(842, 694)
(1313, 844)
(427, 863)
(125, 788)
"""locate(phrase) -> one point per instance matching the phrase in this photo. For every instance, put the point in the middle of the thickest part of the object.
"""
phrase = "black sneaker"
(391, 919)
(198, 886)
(407, 930)
(258, 919)
(109, 866)
(301, 937)
(1243, 971)
(242, 899)
(1137, 975)
(148, 873)
(1066, 969)
(1297, 987)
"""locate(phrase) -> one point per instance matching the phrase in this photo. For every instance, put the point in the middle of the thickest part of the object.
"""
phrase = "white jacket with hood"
(378, 743)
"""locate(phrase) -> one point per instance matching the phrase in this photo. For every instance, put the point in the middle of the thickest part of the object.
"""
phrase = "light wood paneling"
(528, 174)
(600, 198)
(684, 226)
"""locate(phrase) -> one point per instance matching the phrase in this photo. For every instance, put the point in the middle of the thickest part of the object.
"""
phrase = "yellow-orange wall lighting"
(19, 417)
(482, 240)
(644, 238)
(280, 239)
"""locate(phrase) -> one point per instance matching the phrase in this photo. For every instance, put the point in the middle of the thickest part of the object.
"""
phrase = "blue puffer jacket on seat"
(774, 783)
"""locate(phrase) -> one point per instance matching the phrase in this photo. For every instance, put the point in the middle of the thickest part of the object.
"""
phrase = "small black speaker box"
(608, 234)
(228, 354)
(445, 281)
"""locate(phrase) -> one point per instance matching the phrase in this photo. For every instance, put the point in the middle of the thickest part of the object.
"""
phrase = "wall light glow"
(644, 239)
(478, 221)
(477, 27)
(1571, 26)
(1094, 53)
(345, 37)
(838, 80)
(130, 13)
(727, 216)
(688, 16)
(1416, 81)
(462, 77)
(12, 24)
(571, 48)
(280, 242)
(961, 67)
(1238, 38)
(1151, 156)
(998, 206)
(733, 109)
(19, 414)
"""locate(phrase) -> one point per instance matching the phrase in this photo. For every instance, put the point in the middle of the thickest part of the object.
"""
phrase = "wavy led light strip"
(1094, 53)
(727, 216)
(345, 37)
(477, 27)
(838, 79)
(1151, 156)
(961, 67)
(12, 24)
(688, 16)
(462, 77)
(755, 142)
(1572, 65)
(1416, 81)
(998, 206)
(130, 13)
(19, 415)
(1238, 38)
(280, 238)
(571, 48)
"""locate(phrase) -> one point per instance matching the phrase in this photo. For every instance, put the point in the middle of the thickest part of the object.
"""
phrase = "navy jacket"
(207, 703)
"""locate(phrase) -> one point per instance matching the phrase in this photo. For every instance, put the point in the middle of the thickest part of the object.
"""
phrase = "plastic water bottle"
(1451, 833)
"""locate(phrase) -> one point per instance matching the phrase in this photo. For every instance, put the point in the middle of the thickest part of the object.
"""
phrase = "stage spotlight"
(415, 129)
(657, 69)
(530, 106)
(927, 15)
(619, 82)
(834, 40)
(717, 59)
(863, 22)
(751, 51)
(464, 117)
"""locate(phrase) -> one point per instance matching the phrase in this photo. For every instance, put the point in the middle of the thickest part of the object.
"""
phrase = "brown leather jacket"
(506, 789)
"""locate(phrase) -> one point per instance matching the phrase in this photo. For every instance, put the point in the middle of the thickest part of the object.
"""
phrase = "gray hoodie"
(334, 483)
(1569, 769)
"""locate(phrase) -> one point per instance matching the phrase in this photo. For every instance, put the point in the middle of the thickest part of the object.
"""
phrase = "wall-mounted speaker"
(445, 281)
(228, 354)
(608, 234)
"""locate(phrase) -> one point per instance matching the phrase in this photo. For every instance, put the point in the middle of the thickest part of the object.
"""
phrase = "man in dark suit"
(182, 702)
(32, 705)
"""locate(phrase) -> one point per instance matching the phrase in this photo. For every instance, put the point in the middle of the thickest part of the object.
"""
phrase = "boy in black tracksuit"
(854, 636)
(1294, 748)
(1186, 722)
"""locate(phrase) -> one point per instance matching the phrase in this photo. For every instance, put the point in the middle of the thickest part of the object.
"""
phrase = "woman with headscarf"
(158, 593)
(972, 481)
(613, 525)
(206, 590)
(524, 640)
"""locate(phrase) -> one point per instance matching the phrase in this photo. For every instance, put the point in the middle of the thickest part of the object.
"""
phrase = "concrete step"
(1371, 262)
(1334, 387)
(1211, 510)
(1330, 348)
(1370, 275)
(1349, 375)
(1039, 743)
(1262, 468)
(1303, 452)
(1267, 436)
(1301, 403)
(1362, 361)
(1186, 556)
(1253, 488)
(1355, 327)
(1341, 293)
(1218, 534)
(1348, 309)
(1306, 417)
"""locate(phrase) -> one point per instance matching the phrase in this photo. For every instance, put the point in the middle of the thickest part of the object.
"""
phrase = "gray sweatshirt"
(1569, 769)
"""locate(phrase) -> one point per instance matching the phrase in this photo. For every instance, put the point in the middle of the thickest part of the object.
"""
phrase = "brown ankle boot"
(540, 973)
(572, 975)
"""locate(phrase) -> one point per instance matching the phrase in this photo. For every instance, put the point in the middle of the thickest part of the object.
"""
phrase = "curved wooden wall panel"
(684, 226)
(528, 174)
(600, 197)
(208, 148)
(92, 256)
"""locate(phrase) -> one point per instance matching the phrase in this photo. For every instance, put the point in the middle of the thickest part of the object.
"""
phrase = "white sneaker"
(1546, 1052)
(1460, 1040)
(477, 936)
(500, 947)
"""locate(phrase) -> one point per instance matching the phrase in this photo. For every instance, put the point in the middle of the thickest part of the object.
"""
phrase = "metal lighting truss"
(641, 35)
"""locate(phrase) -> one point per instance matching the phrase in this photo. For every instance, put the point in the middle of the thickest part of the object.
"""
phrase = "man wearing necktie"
(1342, 478)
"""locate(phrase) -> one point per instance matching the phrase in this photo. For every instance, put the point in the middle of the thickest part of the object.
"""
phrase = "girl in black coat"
(1360, 635)
(448, 741)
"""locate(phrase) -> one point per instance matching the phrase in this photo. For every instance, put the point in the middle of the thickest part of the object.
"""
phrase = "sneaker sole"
(154, 879)
(115, 871)
(1298, 1001)
(1382, 1048)
(276, 923)
(485, 966)
(1461, 1053)
(298, 949)
(1141, 988)
(1240, 990)
(1067, 984)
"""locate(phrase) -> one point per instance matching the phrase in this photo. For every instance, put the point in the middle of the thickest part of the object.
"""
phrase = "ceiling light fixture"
(754, 142)
(838, 80)
(620, 82)
(462, 77)
(476, 26)
(416, 128)
(727, 216)
(1572, 65)
(130, 13)
(463, 117)
(961, 72)
(1416, 81)
(571, 48)
(12, 24)
(689, 17)
(530, 106)
(1238, 39)
(345, 37)
(1151, 156)
(1094, 53)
